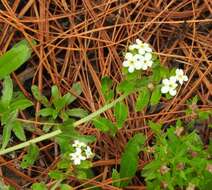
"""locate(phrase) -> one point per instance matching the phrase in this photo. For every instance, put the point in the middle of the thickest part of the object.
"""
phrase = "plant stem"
(58, 131)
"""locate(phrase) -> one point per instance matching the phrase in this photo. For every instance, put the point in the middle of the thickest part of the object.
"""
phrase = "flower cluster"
(82, 152)
(138, 57)
(170, 85)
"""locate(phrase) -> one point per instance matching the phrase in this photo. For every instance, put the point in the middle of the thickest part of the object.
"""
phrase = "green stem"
(58, 131)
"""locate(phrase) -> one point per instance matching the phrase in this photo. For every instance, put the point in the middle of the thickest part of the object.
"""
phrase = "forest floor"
(83, 41)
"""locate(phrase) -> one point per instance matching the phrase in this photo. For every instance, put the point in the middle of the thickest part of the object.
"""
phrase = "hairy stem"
(58, 131)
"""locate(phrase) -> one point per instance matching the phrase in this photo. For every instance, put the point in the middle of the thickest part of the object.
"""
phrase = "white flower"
(147, 61)
(88, 152)
(180, 76)
(77, 156)
(138, 61)
(129, 62)
(78, 144)
(169, 86)
(133, 47)
(143, 47)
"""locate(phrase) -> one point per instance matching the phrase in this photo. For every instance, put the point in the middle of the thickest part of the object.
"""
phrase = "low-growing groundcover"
(107, 96)
(179, 159)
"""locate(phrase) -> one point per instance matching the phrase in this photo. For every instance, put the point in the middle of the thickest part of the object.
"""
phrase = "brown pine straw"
(83, 41)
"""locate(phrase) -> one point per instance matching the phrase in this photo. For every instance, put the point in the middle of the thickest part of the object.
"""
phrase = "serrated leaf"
(126, 86)
(15, 57)
(39, 186)
(18, 129)
(45, 112)
(86, 164)
(156, 75)
(156, 95)
(77, 112)
(7, 91)
(85, 138)
(8, 127)
(121, 113)
(56, 174)
(106, 84)
(65, 187)
(143, 99)
(104, 125)
(76, 88)
(39, 97)
(31, 156)
(63, 164)
(129, 159)
(116, 178)
(156, 128)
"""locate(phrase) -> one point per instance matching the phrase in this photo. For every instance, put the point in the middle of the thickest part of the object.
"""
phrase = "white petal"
(133, 46)
(165, 81)
(138, 66)
(185, 78)
(148, 49)
(125, 63)
(173, 79)
(138, 41)
(129, 56)
(144, 67)
(172, 92)
(141, 51)
(180, 81)
(77, 161)
(148, 56)
(82, 158)
(164, 89)
(131, 69)
(78, 151)
(179, 72)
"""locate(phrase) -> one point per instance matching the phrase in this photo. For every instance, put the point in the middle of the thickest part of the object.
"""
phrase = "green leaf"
(129, 159)
(76, 88)
(116, 178)
(143, 99)
(156, 95)
(55, 92)
(31, 156)
(8, 127)
(56, 174)
(61, 103)
(107, 83)
(156, 75)
(156, 128)
(15, 57)
(39, 186)
(65, 187)
(85, 138)
(45, 112)
(18, 130)
(120, 112)
(39, 97)
(77, 112)
(104, 125)
(7, 91)
(20, 104)
(63, 164)
(86, 164)
(126, 86)
(56, 96)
